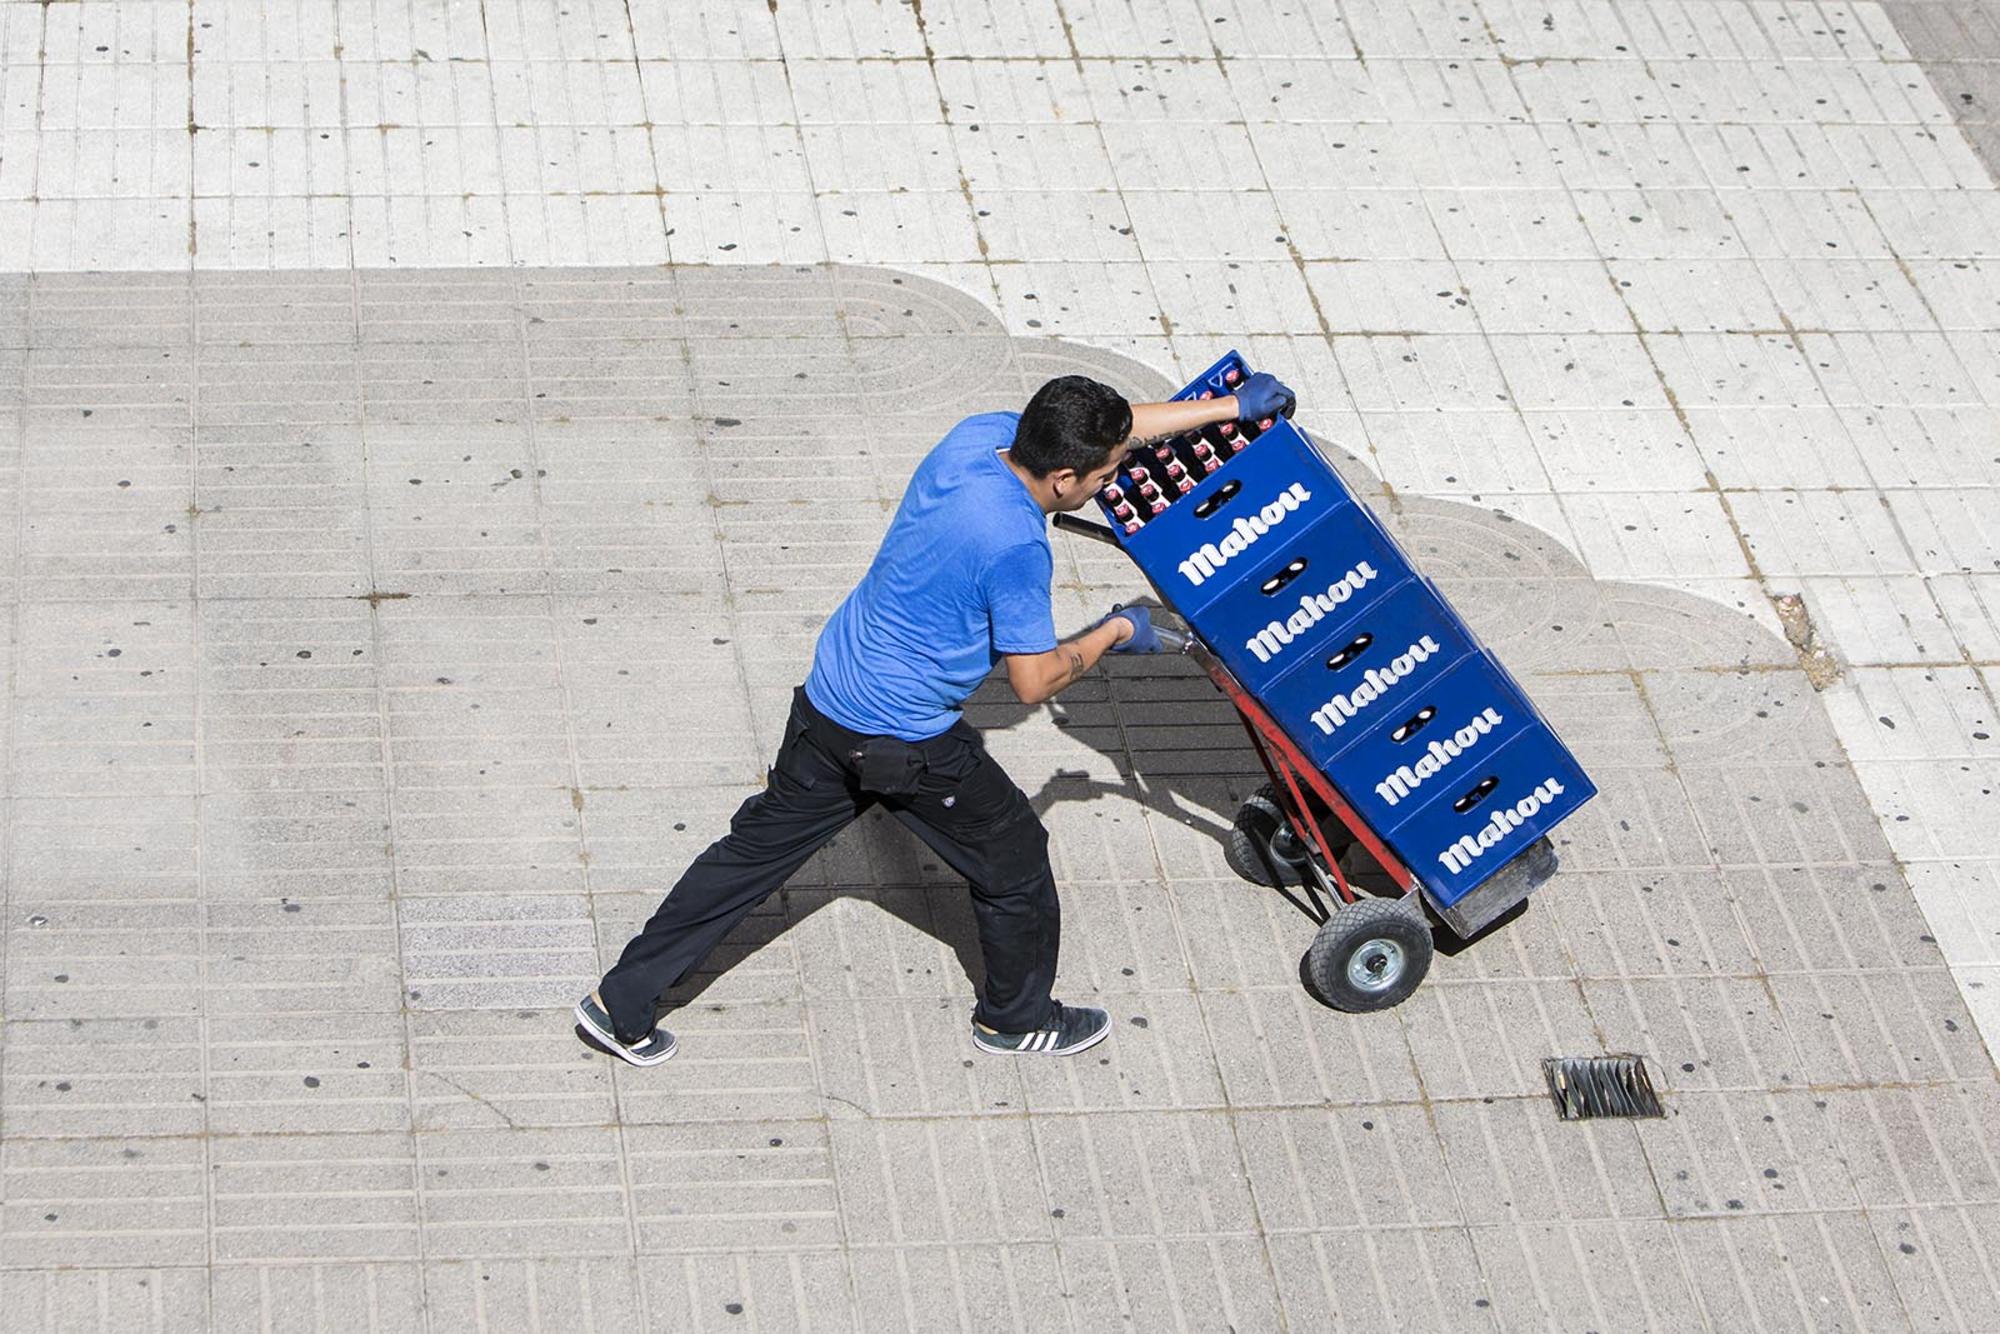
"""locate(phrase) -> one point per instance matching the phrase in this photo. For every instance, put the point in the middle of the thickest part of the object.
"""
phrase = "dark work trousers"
(963, 805)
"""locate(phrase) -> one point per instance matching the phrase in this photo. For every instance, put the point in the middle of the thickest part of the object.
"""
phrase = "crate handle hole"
(1223, 495)
(1415, 723)
(1477, 793)
(1355, 648)
(1277, 581)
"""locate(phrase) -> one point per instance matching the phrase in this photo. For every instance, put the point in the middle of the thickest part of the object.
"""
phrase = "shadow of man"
(1152, 731)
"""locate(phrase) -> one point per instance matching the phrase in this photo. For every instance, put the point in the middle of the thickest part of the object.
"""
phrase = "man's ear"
(1062, 481)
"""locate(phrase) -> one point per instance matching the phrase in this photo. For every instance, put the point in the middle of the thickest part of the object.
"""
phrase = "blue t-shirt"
(962, 577)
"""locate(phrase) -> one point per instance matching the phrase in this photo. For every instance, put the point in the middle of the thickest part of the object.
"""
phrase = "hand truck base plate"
(1499, 892)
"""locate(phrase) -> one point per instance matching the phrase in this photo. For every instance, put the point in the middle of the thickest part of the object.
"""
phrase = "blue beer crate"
(1301, 594)
(1212, 539)
(1219, 379)
(1475, 825)
(1298, 590)
(1427, 742)
(1373, 666)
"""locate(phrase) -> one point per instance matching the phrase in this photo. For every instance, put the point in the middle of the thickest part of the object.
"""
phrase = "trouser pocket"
(966, 796)
(888, 766)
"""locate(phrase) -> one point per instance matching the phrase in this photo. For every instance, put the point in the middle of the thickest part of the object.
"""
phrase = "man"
(960, 583)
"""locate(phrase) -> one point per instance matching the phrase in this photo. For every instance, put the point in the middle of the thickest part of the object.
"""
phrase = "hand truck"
(1371, 950)
(1355, 796)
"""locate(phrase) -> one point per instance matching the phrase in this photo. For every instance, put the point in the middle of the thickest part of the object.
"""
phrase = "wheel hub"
(1376, 965)
(1285, 845)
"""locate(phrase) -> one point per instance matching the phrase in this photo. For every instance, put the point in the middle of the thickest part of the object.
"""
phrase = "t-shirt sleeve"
(1016, 586)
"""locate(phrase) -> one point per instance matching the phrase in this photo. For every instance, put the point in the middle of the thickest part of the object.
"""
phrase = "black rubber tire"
(1249, 850)
(1385, 938)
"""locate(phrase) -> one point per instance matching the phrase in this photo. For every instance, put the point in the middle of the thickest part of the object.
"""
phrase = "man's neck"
(1038, 487)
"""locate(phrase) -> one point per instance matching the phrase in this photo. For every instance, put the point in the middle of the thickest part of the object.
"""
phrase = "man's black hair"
(1071, 422)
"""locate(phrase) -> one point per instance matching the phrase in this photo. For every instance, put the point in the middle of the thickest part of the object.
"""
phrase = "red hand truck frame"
(1290, 770)
(1371, 951)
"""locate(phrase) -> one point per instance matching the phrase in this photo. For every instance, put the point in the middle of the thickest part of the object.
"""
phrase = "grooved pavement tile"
(1409, 1280)
(536, 1295)
(1206, 1282)
(316, 1296)
(1588, 1275)
(1925, 1250)
(760, 1185)
(153, 1300)
(1796, 1271)
(791, 1290)
(998, 1286)
(314, 1197)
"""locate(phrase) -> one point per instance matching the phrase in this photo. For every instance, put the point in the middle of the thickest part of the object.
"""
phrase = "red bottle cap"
(1227, 428)
(1232, 375)
(1133, 526)
(1206, 393)
(1267, 423)
(1122, 511)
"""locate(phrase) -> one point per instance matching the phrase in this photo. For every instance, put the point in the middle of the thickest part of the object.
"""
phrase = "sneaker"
(596, 1021)
(1070, 1029)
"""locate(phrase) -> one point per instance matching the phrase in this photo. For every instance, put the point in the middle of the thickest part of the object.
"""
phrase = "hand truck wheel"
(1262, 847)
(1370, 954)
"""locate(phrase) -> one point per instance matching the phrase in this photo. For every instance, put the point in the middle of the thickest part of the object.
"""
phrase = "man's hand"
(1140, 635)
(1263, 395)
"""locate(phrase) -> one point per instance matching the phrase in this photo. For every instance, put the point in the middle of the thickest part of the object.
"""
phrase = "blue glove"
(1263, 395)
(1145, 639)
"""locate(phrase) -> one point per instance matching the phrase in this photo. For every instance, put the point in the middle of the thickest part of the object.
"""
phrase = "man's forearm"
(1152, 420)
(1068, 661)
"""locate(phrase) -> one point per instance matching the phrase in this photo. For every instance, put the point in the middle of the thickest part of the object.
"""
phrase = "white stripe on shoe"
(647, 1053)
(1049, 1041)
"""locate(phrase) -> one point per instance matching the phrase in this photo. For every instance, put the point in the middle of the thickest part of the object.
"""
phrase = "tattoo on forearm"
(1073, 669)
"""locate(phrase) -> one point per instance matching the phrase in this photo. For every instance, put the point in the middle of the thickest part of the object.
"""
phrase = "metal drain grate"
(1590, 1086)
